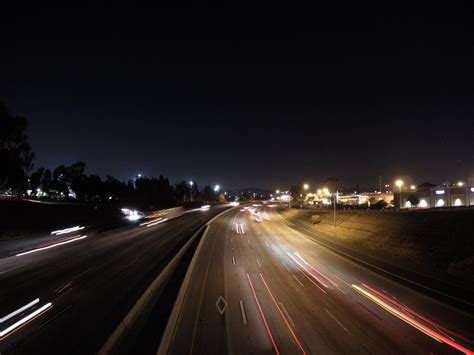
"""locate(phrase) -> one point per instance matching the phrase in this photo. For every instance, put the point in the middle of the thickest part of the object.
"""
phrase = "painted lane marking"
(337, 321)
(298, 280)
(286, 313)
(242, 311)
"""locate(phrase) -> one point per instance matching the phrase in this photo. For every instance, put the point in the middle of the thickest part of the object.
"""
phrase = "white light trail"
(158, 222)
(52, 245)
(19, 310)
(67, 230)
(25, 319)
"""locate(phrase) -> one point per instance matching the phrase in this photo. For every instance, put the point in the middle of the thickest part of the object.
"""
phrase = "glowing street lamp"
(306, 186)
(412, 187)
(399, 183)
(277, 191)
(460, 183)
(217, 188)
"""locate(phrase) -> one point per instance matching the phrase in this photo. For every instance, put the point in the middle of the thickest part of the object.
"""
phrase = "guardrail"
(136, 318)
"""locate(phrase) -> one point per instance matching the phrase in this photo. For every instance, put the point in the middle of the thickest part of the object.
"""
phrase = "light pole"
(399, 183)
(191, 183)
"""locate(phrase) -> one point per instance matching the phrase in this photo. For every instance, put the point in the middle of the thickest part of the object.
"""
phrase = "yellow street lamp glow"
(277, 191)
(325, 190)
(460, 183)
(320, 191)
(412, 187)
(399, 183)
(306, 186)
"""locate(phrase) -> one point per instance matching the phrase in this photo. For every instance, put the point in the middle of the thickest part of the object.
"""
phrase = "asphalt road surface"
(68, 299)
(259, 286)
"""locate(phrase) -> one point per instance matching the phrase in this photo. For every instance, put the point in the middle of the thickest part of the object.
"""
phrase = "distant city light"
(191, 183)
(439, 192)
(460, 183)
(139, 176)
(399, 183)
(277, 191)
(216, 188)
(306, 186)
(412, 187)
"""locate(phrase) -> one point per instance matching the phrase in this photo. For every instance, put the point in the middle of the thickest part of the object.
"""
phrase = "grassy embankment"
(431, 241)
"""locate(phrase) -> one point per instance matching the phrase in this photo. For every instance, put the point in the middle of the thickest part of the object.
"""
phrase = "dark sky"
(245, 100)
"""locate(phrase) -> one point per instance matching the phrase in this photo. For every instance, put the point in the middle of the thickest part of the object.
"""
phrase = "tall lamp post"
(191, 183)
(399, 183)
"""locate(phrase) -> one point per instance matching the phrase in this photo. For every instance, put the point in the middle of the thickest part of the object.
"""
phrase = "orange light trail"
(427, 320)
(413, 322)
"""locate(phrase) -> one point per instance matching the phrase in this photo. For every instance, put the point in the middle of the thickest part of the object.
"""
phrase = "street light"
(216, 188)
(412, 187)
(460, 183)
(399, 183)
(191, 183)
(277, 191)
(139, 176)
(306, 186)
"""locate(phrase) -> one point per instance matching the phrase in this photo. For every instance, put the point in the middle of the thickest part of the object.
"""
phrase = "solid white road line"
(242, 311)
(335, 319)
(298, 281)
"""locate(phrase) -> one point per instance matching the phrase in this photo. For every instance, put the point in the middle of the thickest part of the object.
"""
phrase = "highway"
(260, 287)
(67, 295)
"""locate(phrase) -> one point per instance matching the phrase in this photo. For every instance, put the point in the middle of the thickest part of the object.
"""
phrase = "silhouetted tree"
(207, 193)
(16, 156)
(36, 179)
(182, 191)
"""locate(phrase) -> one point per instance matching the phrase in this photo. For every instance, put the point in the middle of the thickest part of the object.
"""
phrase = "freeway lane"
(91, 284)
(258, 286)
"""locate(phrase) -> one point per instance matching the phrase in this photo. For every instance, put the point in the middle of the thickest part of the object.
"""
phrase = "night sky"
(240, 100)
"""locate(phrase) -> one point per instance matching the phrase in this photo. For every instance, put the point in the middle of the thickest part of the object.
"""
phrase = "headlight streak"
(150, 221)
(67, 230)
(19, 310)
(269, 332)
(4, 333)
(283, 316)
(157, 222)
(412, 312)
(239, 228)
(319, 273)
(307, 272)
(70, 240)
(411, 321)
